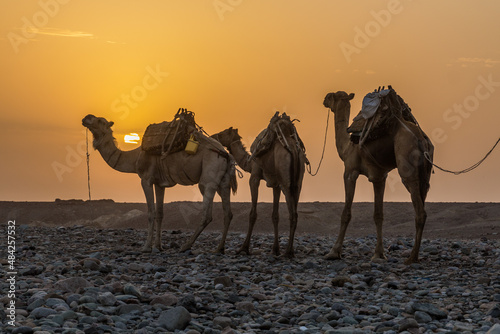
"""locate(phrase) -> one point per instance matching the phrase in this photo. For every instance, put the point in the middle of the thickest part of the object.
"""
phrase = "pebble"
(98, 281)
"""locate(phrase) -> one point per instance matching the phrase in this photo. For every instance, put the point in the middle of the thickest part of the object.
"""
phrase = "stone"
(129, 308)
(176, 318)
(129, 289)
(22, 330)
(72, 284)
(494, 311)
(431, 310)
(494, 330)
(340, 281)
(167, 299)
(422, 317)
(224, 280)
(222, 322)
(106, 299)
(42, 312)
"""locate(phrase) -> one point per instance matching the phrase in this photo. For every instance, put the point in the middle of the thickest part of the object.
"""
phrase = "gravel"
(86, 280)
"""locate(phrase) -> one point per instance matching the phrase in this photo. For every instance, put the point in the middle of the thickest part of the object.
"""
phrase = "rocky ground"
(85, 280)
(81, 278)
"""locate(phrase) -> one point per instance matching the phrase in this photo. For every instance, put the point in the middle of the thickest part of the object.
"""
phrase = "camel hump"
(169, 137)
(379, 114)
(280, 127)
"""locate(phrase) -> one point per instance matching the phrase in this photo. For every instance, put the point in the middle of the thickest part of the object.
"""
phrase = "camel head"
(99, 127)
(335, 100)
(227, 137)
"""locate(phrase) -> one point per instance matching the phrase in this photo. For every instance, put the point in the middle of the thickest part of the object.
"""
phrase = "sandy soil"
(445, 220)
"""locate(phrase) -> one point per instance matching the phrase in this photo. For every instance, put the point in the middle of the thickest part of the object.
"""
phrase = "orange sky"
(235, 62)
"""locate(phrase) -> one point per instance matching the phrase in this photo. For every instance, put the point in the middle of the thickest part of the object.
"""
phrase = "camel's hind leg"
(225, 194)
(160, 195)
(208, 200)
(378, 216)
(350, 178)
(150, 200)
(293, 216)
(276, 219)
(254, 189)
(420, 218)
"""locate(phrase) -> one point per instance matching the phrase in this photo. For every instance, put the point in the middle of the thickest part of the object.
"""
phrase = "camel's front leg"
(148, 192)
(160, 194)
(350, 187)
(378, 216)
(276, 219)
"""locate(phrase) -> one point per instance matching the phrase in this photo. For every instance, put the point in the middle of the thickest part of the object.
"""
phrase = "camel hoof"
(288, 255)
(332, 256)
(243, 250)
(379, 258)
(218, 251)
(410, 261)
(185, 247)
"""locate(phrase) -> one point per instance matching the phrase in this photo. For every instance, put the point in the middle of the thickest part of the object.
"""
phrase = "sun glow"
(132, 138)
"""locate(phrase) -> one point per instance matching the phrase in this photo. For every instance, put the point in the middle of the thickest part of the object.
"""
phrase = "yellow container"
(192, 146)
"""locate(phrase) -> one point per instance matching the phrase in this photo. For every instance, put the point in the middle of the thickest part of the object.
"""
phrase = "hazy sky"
(234, 63)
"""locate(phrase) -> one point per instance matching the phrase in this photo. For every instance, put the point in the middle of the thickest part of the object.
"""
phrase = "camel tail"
(233, 181)
(425, 168)
(295, 171)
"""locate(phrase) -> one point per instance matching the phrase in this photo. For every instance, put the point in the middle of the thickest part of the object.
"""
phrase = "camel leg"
(208, 199)
(150, 200)
(225, 194)
(276, 219)
(378, 217)
(420, 218)
(254, 190)
(160, 195)
(350, 187)
(291, 202)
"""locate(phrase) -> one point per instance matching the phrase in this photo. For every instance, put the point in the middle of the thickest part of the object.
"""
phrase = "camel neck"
(240, 155)
(122, 161)
(342, 139)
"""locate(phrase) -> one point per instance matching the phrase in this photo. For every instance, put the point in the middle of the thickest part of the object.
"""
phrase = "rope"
(466, 170)
(324, 146)
(88, 160)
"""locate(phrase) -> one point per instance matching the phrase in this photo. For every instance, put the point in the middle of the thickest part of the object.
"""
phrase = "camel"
(212, 168)
(282, 167)
(402, 147)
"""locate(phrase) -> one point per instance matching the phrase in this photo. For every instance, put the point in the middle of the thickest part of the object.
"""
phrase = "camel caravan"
(384, 136)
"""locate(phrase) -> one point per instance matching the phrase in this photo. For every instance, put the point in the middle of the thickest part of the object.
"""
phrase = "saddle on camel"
(380, 110)
(279, 127)
(170, 137)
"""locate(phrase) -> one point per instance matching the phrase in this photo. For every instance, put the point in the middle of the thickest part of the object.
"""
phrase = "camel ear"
(110, 124)
(351, 96)
(231, 129)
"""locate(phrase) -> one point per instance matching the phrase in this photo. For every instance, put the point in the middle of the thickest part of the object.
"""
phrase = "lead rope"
(308, 167)
(466, 170)
(88, 160)
(324, 146)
